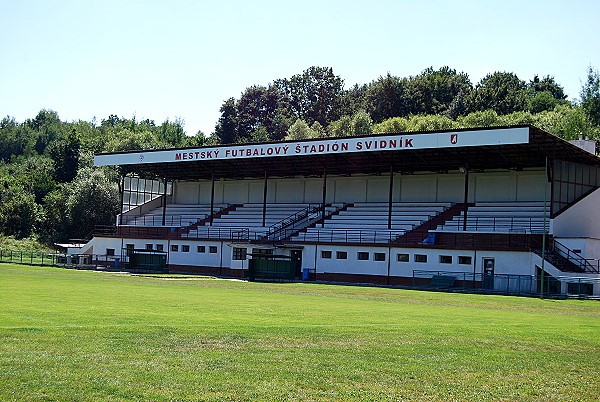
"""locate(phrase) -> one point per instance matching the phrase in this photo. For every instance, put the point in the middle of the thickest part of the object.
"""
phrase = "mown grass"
(81, 335)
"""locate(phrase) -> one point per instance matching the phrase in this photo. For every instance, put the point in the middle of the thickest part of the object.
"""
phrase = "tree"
(171, 132)
(14, 138)
(227, 126)
(299, 131)
(93, 200)
(590, 96)
(36, 175)
(502, 92)
(566, 121)
(385, 98)
(19, 213)
(314, 95)
(65, 153)
(74, 209)
(392, 125)
(547, 84)
(438, 92)
(485, 118)
(430, 122)
(362, 124)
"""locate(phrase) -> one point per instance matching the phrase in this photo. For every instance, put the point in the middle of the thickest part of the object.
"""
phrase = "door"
(488, 273)
(297, 257)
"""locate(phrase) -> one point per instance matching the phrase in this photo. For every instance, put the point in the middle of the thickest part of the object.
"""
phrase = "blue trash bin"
(305, 274)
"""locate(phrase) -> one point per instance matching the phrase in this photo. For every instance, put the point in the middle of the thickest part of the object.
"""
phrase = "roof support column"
(164, 202)
(122, 186)
(212, 198)
(390, 197)
(466, 197)
(324, 197)
(264, 215)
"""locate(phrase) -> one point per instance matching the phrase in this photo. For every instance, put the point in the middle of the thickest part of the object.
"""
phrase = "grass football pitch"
(78, 335)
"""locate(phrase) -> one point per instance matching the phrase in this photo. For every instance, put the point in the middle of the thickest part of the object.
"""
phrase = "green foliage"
(438, 92)
(314, 95)
(227, 127)
(392, 125)
(590, 96)
(19, 213)
(547, 84)
(65, 152)
(36, 175)
(361, 123)
(299, 131)
(541, 101)
(318, 130)
(29, 244)
(341, 127)
(260, 135)
(567, 122)
(74, 209)
(171, 133)
(385, 98)
(501, 91)
(486, 118)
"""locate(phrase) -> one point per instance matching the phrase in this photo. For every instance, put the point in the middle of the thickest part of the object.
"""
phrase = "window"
(174, 247)
(201, 249)
(465, 260)
(159, 247)
(577, 251)
(129, 248)
(341, 255)
(325, 254)
(110, 251)
(403, 257)
(148, 246)
(420, 258)
(379, 256)
(362, 255)
(212, 249)
(445, 259)
(239, 253)
(185, 248)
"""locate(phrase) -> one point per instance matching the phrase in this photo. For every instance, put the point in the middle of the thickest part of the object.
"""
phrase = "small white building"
(409, 209)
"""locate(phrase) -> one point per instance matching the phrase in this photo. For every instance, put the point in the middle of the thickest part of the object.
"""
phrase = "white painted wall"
(487, 186)
(590, 247)
(506, 262)
(581, 219)
(186, 192)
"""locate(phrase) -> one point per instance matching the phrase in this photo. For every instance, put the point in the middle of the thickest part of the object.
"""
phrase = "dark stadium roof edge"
(510, 147)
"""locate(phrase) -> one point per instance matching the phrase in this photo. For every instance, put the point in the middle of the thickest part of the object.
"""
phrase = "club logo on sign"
(454, 139)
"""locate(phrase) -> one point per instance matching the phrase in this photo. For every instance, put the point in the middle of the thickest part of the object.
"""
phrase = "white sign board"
(397, 142)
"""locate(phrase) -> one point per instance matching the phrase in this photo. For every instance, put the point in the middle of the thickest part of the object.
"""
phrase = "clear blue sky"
(167, 59)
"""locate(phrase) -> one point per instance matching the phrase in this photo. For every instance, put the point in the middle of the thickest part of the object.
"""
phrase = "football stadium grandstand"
(509, 209)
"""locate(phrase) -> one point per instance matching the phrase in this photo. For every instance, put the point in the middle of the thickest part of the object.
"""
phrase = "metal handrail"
(511, 223)
(212, 232)
(173, 220)
(292, 219)
(574, 257)
(351, 236)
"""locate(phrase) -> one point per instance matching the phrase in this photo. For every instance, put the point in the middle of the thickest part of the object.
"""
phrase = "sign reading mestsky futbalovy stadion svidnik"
(396, 142)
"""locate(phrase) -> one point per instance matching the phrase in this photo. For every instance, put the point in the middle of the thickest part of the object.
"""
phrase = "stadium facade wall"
(526, 185)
